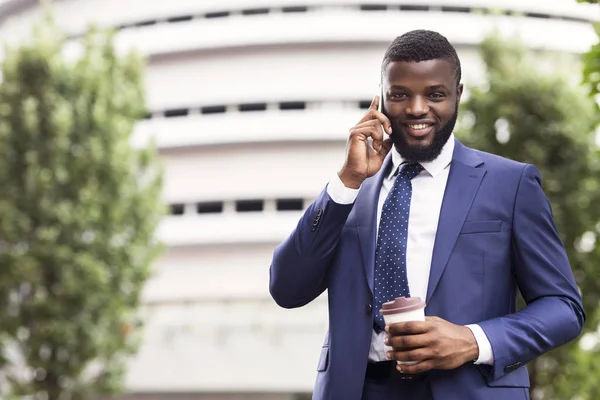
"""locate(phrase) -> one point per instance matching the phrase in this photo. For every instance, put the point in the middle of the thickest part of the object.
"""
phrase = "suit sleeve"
(554, 313)
(300, 264)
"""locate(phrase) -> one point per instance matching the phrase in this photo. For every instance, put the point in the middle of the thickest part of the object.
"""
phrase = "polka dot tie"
(390, 254)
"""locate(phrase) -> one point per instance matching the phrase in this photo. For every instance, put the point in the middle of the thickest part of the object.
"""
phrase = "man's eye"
(397, 95)
(437, 95)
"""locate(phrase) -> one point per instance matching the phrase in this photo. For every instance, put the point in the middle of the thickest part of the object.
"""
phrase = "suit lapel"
(366, 218)
(466, 173)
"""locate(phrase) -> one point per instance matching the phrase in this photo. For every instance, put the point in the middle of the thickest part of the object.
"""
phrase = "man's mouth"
(419, 130)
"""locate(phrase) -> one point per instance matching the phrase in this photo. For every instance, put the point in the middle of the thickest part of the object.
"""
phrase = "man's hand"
(363, 159)
(433, 344)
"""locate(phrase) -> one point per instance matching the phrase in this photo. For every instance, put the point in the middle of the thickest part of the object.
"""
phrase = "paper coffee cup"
(403, 309)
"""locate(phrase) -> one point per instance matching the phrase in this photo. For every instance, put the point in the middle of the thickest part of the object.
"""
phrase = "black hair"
(421, 45)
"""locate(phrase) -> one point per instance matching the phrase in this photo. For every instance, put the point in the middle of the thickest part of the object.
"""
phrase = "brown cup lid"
(401, 305)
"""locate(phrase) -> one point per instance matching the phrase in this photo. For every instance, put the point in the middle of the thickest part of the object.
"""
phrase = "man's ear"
(459, 92)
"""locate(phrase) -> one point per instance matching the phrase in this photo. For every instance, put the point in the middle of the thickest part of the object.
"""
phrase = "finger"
(373, 114)
(374, 132)
(408, 342)
(416, 368)
(375, 103)
(377, 116)
(409, 328)
(413, 355)
(370, 122)
(433, 319)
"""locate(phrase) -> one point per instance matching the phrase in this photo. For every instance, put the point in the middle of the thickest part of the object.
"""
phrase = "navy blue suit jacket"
(496, 233)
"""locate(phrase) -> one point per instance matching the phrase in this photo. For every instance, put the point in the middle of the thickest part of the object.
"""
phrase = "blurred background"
(244, 106)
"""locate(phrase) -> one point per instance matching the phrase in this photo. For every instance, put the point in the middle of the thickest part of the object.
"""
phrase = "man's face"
(421, 100)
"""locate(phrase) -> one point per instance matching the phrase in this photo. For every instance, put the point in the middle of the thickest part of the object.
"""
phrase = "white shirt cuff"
(486, 354)
(340, 193)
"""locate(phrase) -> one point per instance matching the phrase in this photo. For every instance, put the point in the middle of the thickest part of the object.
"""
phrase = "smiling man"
(414, 213)
(425, 125)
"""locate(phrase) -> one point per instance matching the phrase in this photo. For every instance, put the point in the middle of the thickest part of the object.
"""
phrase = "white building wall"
(212, 326)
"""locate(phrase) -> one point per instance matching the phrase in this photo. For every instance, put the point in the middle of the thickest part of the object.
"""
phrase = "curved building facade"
(250, 103)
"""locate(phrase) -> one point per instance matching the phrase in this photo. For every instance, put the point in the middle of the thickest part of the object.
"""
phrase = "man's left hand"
(433, 344)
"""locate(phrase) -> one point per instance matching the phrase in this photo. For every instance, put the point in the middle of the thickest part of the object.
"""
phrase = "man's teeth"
(420, 126)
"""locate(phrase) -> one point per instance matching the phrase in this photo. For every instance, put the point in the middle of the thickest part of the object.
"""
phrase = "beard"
(423, 153)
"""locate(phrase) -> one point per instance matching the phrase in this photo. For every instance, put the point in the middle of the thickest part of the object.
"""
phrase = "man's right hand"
(363, 159)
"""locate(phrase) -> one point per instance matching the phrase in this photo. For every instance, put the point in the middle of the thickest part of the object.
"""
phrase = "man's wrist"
(349, 180)
(486, 353)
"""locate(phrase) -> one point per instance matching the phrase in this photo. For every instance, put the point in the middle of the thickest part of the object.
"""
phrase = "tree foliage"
(538, 117)
(78, 211)
(591, 60)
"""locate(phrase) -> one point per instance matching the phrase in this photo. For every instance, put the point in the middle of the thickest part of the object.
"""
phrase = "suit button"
(512, 367)
(319, 212)
(368, 309)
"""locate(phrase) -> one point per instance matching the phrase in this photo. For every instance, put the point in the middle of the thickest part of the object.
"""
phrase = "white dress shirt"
(427, 194)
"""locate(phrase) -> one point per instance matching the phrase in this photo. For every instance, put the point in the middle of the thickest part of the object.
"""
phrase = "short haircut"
(421, 45)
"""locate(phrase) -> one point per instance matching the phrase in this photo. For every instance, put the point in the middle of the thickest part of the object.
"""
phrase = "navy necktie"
(390, 254)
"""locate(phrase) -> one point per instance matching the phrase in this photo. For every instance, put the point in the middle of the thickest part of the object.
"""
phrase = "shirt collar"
(433, 167)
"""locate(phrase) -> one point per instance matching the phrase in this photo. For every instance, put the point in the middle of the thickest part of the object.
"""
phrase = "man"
(459, 228)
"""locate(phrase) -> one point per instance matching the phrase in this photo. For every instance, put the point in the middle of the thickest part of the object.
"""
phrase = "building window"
(414, 8)
(373, 7)
(249, 205)
(456, 9)
(213, 109)
(181, 18)
(218, 14)
(365, 104)
(255, 11)
(292, 105)
(253, 107)
(290, 204)
(178, 112)
(213, 207)
(177, 209)
(292, 9)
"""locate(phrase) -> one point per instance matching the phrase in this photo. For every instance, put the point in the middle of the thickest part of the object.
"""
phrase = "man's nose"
(417, 106)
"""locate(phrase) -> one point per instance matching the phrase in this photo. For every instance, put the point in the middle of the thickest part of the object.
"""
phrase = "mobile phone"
(380, 107)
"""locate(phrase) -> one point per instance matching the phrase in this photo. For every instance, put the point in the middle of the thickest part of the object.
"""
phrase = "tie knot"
(410, 170)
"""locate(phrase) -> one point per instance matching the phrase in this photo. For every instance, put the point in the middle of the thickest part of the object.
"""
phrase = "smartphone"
(380, 108)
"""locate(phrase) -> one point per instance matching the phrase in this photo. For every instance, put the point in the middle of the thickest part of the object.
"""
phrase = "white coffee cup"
(403, 309)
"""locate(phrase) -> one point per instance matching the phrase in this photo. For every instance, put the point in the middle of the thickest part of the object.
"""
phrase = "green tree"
(78, 212)
(538, 117)
(591, 59)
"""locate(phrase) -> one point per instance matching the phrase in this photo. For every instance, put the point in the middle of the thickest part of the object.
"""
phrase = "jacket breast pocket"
(323, 359)
(481, 227)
